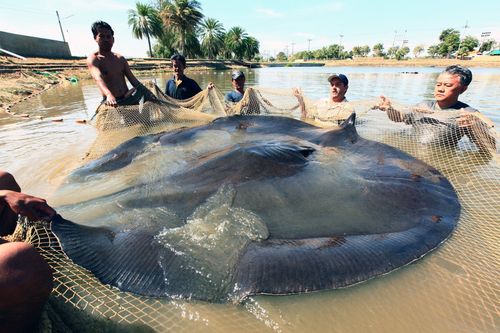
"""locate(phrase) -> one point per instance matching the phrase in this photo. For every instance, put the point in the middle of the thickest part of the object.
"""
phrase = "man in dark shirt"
(180, 86)
(446, 120)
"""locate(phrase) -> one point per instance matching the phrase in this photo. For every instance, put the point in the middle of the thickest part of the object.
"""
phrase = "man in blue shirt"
(180, 86)
(238, 83)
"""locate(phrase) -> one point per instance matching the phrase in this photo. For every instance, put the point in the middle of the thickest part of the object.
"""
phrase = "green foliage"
(391, 52)
(487, 45)
(251, 48)
(145, 21)
(469, 43)
(402, 52)
(361, 51)
(164, 47)
(417, 50)
(433, 50)
(281, 56)
(378, 50)
(235, 42)
(211, 34)
(450, 40)
(183, 17)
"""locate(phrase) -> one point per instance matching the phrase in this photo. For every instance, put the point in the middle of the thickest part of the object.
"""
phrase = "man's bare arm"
(97, 76)
(478, 131)
(392, 113)
(128, 73)
(33, 207)
(300, 98)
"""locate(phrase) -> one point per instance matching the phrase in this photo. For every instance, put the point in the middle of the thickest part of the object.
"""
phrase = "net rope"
(465, 269)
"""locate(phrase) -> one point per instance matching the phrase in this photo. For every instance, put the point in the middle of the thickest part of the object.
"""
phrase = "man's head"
(338, 87)
(238, 80)
(452, 82)
(103, 35)
(178, 64)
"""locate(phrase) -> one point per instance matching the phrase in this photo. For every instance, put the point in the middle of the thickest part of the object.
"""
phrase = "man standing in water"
(446, 120)
(25, 278)
(332, 110)
(180, 86)
(109, 69)
(238, 83)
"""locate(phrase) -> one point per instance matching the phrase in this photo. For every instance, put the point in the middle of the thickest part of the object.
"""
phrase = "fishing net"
(454, 289)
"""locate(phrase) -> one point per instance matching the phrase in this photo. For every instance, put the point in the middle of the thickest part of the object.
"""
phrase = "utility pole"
(292, 49)
(460, 42)
(341, 47)
(60, 26)
(394, 40)
(308, 47)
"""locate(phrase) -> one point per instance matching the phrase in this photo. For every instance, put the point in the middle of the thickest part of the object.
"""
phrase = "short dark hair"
(179, 57)
(464, 73)
(103, 25)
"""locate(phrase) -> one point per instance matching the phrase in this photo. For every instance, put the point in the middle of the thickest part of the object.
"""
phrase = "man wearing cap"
(180, 86)
(238, 83)
(332, 110)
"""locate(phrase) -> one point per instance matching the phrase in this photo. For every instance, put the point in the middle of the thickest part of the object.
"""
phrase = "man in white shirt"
(334, 109)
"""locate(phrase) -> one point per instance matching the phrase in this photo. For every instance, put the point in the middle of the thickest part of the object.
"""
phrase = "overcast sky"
(279, 25)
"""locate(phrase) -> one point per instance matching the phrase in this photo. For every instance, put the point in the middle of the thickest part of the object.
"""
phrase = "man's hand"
(384, 104)
(466, 120)
(32, 207)
(111, 100)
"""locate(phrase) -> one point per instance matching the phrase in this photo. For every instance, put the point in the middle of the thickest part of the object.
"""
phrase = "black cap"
(341, 77)
(236, 74)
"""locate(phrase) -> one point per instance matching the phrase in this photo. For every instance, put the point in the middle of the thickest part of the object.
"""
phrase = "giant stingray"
(303, 209)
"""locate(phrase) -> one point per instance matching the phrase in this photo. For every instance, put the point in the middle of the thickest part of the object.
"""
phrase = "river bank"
(23, 79)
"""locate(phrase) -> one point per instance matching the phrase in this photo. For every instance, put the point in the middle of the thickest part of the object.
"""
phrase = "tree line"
(450, 45)
(179, 26)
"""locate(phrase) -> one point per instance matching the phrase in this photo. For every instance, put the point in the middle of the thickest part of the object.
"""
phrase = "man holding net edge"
(25, 277)
(333, 110)
(446, 120)
(109, 69)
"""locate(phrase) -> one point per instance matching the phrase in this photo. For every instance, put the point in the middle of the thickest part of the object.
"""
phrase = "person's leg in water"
(25, 277)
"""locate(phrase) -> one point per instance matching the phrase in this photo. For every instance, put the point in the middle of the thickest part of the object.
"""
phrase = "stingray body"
(304, 209)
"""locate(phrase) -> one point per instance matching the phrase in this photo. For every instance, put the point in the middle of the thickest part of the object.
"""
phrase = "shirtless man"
(109, 69)
(25, 278)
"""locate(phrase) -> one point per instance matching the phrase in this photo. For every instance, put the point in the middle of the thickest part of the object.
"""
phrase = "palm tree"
(145, 21)
(211, 34)
(182, 16)
(251, 48)
(235, 41)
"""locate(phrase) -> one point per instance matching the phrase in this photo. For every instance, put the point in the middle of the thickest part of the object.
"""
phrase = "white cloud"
(267, 12)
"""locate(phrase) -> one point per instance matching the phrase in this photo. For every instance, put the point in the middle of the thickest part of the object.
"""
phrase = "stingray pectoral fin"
(127, 260)
(295, 266)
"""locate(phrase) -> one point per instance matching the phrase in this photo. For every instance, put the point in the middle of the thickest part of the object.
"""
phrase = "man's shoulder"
(465, 106)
